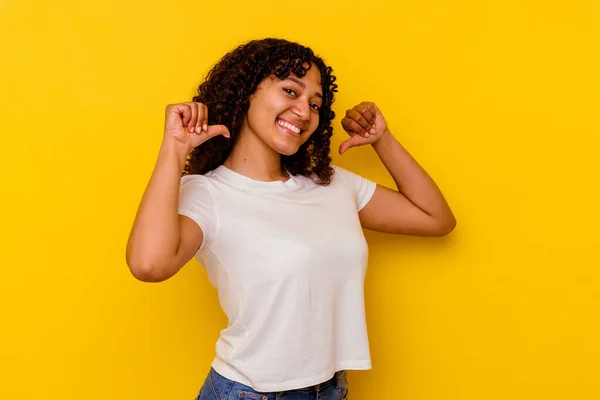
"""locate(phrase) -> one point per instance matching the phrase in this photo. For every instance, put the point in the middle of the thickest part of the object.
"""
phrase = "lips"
(281, 123)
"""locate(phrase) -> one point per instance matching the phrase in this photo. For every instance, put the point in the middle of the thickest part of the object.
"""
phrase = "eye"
(315, 106)
(290, 91)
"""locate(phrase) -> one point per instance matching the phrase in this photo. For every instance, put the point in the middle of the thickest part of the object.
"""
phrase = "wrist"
(172, 148)
(384, 140)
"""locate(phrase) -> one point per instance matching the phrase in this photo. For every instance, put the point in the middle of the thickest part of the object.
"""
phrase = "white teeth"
(289, 126)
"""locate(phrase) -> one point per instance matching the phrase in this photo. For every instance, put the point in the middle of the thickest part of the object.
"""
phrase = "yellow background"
(498, 100)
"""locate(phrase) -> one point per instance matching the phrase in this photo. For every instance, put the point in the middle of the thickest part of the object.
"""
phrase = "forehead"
(310, 81)
(312, 76)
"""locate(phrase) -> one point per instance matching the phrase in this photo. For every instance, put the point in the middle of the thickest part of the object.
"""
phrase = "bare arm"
(161, 241)
(418, 207)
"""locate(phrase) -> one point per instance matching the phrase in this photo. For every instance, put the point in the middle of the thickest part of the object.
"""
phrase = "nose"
(302, 110)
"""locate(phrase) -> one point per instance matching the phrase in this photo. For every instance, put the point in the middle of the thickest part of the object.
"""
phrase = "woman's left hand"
(365, 125)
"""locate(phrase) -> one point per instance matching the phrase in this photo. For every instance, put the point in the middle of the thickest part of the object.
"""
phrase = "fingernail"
(198, 130)
(372, 130)
(205, 127)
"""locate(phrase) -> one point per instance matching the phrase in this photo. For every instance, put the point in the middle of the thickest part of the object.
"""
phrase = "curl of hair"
(226, 92)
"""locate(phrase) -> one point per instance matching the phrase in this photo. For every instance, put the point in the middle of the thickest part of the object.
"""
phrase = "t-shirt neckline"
(239, 179)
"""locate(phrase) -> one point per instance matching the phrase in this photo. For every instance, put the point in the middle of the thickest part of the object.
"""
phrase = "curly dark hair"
(226, 92)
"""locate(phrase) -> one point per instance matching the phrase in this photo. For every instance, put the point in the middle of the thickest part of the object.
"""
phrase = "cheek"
(259, 114)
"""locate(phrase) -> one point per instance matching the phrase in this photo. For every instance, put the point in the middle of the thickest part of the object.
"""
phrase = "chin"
(286, 147)
(286, 150)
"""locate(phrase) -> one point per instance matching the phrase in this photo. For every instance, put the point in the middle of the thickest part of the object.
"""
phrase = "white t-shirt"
(289, 261)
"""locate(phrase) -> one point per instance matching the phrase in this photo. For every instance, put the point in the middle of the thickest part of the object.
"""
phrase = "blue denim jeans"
(217, 387)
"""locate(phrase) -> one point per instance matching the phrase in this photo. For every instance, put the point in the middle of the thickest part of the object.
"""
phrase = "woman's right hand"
(187, 123)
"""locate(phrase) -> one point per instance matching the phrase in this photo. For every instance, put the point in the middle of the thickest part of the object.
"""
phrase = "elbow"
(146, 271)
(148, 267)
(445, 227)
(146, 275)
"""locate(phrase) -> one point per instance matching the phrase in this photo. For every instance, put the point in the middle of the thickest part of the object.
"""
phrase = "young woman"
(276, 226)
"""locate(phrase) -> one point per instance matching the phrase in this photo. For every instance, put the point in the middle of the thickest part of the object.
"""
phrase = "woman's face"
(284, 113)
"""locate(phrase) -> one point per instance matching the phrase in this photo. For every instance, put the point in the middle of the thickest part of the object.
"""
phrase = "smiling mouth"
(289, 128)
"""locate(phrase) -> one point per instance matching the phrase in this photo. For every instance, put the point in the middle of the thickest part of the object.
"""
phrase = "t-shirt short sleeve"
(363, 188)
(196, 202)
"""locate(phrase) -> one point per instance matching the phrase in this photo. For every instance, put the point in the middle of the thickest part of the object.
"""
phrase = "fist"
(187, 123)
(364, 123)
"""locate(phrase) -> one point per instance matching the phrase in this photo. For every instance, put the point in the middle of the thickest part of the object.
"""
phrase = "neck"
(253, 158)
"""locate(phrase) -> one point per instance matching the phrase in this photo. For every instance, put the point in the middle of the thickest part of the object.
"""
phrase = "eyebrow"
(302, 85)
